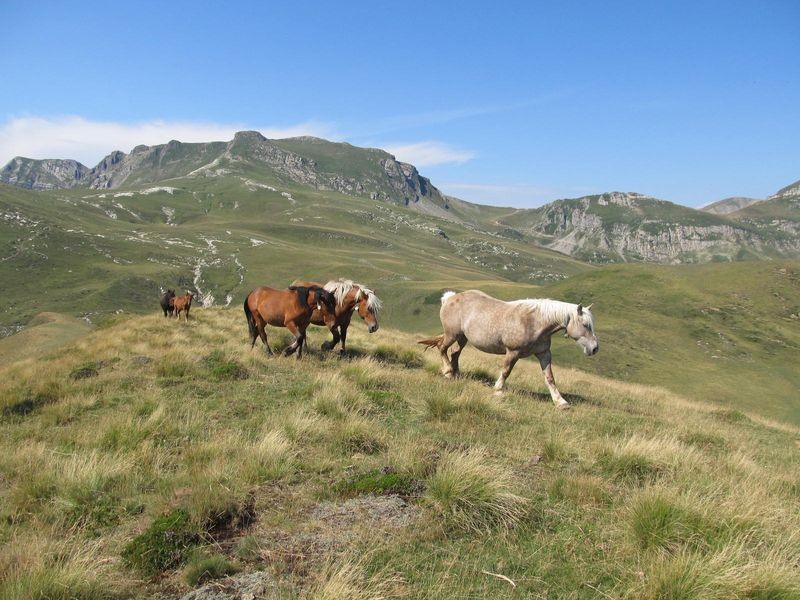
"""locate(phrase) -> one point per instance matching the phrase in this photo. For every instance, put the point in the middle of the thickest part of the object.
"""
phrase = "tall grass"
(637, 492)
(468, 493)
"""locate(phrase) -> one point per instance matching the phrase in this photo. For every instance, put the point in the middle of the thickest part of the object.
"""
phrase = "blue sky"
(505, 103)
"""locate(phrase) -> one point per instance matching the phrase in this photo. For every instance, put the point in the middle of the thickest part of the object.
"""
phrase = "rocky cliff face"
(632, 227)
(791, 190)
(379, 175)
(45, 174)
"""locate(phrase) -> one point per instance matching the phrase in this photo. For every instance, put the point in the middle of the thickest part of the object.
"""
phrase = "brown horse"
(516, 329)
(350, 297)
(291, 308)
(182, 304)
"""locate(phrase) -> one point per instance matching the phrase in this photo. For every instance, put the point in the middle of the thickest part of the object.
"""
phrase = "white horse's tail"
(447, 295)
(432, 342)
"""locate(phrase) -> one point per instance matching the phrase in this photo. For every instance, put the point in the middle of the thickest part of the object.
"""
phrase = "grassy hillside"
(726, 333)
(94, 253)
(44, 333)
(153, 456)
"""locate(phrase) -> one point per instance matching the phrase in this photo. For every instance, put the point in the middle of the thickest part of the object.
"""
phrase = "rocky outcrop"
(45, 174)
(789, 191)
(620, 226)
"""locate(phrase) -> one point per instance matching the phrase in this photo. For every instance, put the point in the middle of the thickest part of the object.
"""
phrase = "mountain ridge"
(374, 173)
(599, 228)
(729, 205)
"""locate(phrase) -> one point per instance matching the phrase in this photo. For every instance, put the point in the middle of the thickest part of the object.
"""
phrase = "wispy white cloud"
(88, 141)
(392, 123)
(429, 153)
(519, 195)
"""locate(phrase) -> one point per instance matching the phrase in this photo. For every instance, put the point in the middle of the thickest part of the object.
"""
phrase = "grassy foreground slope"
(153, 456)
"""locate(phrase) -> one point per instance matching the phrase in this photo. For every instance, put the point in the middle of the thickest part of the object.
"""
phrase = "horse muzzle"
(372, 328)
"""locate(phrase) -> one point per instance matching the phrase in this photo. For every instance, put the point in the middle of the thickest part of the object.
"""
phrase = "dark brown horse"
(291, 308)
(182, 304)
(350, 297)
(166, 302)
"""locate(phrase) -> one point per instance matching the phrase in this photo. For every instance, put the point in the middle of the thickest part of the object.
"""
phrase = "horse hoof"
(448, 375)
(563, 405)
(499, 393)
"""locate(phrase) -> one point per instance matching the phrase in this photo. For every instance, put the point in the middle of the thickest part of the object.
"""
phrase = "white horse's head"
(580, 328)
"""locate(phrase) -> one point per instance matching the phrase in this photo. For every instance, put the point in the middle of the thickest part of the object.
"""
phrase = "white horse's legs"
(512, 356)
(544, 361)
(461, 342)
(447, 366)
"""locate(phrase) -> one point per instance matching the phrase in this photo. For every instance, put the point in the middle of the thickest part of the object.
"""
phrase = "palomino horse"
(182, 304)
(350, 297)
(516, 329)
(166, 302)
(291, 308)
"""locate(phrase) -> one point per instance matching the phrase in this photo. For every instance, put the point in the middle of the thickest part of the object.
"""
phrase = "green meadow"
(144, 457)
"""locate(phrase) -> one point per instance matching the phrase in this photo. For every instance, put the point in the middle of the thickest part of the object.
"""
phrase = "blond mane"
(340, 288)
(556, 311)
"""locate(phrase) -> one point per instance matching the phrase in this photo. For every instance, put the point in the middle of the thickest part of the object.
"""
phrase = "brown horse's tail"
(251, 322)
(432, 342)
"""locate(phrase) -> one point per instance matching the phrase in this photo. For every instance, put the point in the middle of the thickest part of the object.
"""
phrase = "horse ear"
(580, 309)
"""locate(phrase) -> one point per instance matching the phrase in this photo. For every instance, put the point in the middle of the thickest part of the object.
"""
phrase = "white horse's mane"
(556, 311)
(342, 287)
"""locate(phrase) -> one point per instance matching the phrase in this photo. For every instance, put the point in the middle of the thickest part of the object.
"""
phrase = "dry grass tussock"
(468, 492)
(151, 431)
(40, 566)
(346, 578)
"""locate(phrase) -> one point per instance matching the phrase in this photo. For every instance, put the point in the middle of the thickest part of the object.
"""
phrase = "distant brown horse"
(291, 308)
(182, 304)
(516, 329)
(350, 297)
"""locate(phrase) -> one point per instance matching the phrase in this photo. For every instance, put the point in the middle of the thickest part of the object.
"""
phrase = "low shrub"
(164, 545)
(202, 568)
(90, 369)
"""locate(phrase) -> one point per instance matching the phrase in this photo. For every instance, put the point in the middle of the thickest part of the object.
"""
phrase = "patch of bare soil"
(246, 586)
(381, 511)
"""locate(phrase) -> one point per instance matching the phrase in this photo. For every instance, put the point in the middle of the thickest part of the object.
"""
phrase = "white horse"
(516, 329)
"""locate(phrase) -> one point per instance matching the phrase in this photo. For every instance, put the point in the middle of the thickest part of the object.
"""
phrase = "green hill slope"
(154, 456)
(726, 333)
(44, 333)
